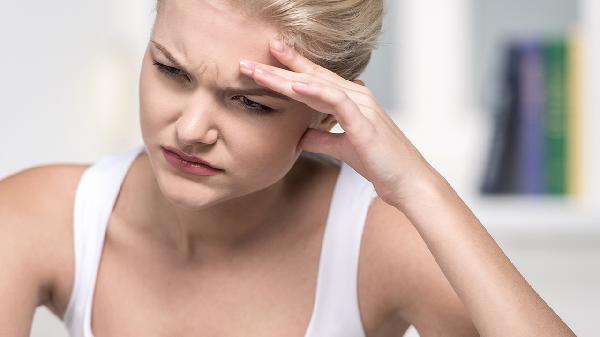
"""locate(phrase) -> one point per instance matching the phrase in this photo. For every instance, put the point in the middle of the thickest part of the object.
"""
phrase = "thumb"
(318, 141)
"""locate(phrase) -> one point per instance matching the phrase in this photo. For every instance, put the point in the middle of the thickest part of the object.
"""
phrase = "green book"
(555, 69)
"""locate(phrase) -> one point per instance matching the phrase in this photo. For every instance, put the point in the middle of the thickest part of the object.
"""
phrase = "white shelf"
(536, 213)
(441, 117)
(535, 221)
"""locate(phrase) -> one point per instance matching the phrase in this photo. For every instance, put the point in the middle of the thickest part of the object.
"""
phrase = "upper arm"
(21, 280)
(29, 203)
(420, 293)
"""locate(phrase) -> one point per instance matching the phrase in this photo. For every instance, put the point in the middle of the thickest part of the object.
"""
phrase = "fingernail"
(246, 64)
(277, 45)
(262, 71)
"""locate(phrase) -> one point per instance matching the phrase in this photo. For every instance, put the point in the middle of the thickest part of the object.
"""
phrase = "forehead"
(212, 35)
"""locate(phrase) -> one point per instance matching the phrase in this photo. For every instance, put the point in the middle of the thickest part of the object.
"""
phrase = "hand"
(371, 144)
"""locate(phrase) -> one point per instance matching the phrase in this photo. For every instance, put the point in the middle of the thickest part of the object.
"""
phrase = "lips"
(189, 158)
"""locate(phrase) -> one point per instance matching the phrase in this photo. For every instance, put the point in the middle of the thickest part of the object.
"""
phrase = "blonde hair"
(339, 35)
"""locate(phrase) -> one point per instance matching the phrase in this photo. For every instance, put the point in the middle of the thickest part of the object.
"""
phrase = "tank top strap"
(336, 311)
(95, 197)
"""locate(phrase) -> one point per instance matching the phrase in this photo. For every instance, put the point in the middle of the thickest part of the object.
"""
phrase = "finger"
(273, 81)
(318, 141)
(377, 116)
(324, 98)
(296, 62)
(348, 86)
(368, 105)
(332, 144)
(247, 67)
(335, 101)
(303, 77)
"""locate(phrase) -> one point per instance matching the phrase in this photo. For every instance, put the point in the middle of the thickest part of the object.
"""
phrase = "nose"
(197, 124)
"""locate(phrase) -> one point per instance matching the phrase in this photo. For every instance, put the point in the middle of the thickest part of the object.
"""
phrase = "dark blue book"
(500, 171)
(530, 119)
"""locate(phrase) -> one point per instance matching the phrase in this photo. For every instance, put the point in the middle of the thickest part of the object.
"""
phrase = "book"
(574, 107)
(530, 134)
(499, 176)
(556, 116)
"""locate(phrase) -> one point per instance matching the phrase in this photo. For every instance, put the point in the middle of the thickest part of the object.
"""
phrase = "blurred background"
(501, 96)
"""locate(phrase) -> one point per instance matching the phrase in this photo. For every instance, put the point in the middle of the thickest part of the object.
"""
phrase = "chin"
(187, 194)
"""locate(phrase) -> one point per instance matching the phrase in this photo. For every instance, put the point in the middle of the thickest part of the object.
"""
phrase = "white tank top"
(335, 312)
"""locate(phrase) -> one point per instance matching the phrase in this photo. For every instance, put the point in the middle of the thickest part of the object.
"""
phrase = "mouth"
(189, 158)
(193, 168)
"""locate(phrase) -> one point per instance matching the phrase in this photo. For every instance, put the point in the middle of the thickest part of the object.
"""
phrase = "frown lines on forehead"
(173, 59)
(249, 91)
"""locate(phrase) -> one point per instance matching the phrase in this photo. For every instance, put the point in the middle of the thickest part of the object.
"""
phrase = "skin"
(217, 215)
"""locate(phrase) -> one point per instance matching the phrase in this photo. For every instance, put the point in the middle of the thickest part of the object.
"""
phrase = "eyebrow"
(254, 91)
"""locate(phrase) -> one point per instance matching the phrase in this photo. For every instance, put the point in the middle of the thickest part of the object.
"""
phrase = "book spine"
(499, 174)
(574, 136)
(530, 127)
(556, 112)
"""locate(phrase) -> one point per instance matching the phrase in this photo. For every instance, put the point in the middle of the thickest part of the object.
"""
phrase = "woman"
(262, 240)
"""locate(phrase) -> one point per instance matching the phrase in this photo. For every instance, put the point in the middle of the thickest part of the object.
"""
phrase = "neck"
(219, 231)
(226, 228)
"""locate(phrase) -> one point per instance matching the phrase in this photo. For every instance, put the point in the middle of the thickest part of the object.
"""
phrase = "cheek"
(269, 148)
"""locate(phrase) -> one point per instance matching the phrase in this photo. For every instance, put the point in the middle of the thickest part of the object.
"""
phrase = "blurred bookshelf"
(454, 54)
(563, 203)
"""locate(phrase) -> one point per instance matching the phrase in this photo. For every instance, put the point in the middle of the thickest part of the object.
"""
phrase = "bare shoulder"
(409, 282)
(36, 207)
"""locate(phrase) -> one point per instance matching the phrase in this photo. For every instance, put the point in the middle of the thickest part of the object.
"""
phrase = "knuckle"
(315, 69)
(371, 101)
(365, 90)
(306, 77)
(365, 99)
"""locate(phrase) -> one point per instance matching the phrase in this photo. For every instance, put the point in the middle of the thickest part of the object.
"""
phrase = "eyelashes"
(170, 71)
(247, 104)
(251, 105)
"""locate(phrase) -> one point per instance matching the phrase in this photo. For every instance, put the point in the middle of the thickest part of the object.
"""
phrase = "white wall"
(69, 80)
